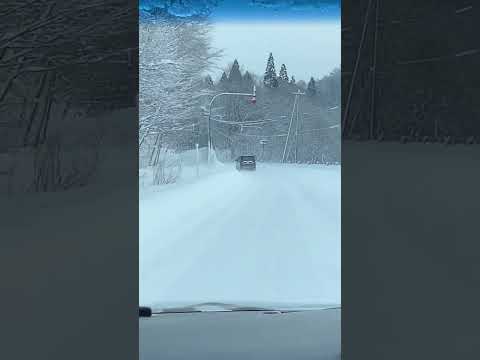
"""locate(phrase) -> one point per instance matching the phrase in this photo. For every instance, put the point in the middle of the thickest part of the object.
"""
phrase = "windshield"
(213, 231)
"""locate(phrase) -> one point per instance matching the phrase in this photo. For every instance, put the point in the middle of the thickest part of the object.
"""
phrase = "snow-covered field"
(270, 236)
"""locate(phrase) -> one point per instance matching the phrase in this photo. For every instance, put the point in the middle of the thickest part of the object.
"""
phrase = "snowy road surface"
(268, 236)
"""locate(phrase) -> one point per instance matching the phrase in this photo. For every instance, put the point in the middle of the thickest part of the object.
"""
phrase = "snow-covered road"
(268, 236)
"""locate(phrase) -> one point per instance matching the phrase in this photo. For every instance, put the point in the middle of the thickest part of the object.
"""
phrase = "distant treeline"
(262, 129)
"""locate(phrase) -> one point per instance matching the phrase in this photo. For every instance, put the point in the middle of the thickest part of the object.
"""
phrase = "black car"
(245, 163)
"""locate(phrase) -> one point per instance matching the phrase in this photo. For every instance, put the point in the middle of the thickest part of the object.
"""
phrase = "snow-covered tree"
(329, 88)
(235, 76)
(54, 53)
(283, 75)
(270, 77)
(223, 79)
(174, 55)
(239, 126)
(61, 60)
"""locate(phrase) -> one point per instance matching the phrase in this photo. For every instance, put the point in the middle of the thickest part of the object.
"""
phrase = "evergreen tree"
(235, 76)
(247, 77)
(292, 80)
(311, 88)
(270, 78)
(283, 73)
(223, 79)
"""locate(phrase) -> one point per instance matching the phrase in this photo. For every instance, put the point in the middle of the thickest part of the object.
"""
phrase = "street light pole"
(209, 132)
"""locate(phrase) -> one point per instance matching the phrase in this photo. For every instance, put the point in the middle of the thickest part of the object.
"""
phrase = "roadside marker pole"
(198, 160)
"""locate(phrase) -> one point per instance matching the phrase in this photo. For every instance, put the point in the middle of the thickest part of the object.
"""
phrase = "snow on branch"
(174, 56)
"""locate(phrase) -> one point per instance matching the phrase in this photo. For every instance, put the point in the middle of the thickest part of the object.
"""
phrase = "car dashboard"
(252, 335)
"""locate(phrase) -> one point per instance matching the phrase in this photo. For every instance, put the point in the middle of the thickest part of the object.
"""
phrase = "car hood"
(313, 334)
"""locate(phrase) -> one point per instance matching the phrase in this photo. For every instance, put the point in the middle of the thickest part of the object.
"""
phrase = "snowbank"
(188, 166)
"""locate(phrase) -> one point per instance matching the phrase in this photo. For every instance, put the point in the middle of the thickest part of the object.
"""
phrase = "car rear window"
(248, 158)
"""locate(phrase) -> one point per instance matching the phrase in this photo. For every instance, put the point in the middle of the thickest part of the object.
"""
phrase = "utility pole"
(295, 107)
(355, 69)
(296, 133)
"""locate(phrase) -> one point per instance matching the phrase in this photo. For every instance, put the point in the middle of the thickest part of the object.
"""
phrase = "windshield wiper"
(200, 308)
(209, 307)
(251, 308)
(223, 307)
